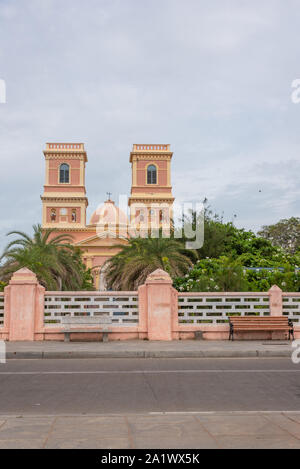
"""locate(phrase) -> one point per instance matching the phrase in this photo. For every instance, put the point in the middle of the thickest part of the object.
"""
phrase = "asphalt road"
(150, 403)
(125, 386)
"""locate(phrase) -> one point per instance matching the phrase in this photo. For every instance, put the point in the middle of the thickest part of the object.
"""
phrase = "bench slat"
(258, 323)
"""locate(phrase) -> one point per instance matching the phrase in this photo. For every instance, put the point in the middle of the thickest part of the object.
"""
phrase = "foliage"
(56, 263)
(223, 274)
(230, 258)
(225, 239)
(135, 261)
(226, 274)
(285, 233)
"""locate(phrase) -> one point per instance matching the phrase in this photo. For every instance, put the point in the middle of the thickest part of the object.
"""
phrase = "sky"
(211, 78)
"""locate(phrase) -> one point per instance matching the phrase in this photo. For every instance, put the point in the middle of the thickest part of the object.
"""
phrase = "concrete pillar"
(24, 306)
(275, 300)
(158, 301)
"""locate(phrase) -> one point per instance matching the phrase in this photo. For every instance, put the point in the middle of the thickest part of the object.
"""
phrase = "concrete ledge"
(147, 349)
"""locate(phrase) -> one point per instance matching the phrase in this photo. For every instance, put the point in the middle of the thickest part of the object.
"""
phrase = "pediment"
(101, 241)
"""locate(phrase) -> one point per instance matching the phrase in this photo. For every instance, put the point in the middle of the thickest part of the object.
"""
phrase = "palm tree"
(56, 263)
(141, 256)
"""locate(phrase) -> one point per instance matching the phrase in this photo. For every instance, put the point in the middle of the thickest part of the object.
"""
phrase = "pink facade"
(24, 301)
(54, 166)
(73, 214)
(142, 172)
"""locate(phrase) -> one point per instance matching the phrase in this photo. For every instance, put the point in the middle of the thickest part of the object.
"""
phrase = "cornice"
(64, 199)
(150, 186)
(150, 200)
(60, 228)
(137, 156)
(54, 155)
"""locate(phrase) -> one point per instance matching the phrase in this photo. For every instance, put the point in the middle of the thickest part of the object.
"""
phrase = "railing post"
(158, 298)
(275, 301)
(24, 306)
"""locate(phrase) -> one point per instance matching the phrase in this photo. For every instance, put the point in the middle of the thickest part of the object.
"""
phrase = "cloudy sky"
(212, 78)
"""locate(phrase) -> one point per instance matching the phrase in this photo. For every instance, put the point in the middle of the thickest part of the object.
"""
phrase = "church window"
(64, 173)
(151, 174)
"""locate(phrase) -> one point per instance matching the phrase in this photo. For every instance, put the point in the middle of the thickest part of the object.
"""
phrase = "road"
(150, 403)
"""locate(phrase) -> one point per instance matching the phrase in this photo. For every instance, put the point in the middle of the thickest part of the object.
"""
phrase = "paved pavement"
(150, 403)
(196, 431)
(146, 349)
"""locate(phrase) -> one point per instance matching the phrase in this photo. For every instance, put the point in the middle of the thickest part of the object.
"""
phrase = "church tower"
(151, 196)
(64, 199)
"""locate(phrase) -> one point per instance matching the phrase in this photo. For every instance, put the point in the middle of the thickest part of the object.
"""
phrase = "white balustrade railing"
(291, 306)
(121, 307)
(214, 308)
(1, 309)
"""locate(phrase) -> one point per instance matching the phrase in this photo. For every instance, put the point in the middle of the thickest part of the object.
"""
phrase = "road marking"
(133, 372)
(25, 415)
(224, 412)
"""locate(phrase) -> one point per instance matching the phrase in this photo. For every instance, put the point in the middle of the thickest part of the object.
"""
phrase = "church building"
(64, 201)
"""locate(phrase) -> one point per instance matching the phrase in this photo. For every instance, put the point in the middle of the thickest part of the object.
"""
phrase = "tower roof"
(65, 149)
(144, 149)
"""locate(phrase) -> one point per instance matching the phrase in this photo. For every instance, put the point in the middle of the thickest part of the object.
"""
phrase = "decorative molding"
(71, 228)
(169, 200)
(146, 186)
(65, 156)
(150, 156)
(64, 199)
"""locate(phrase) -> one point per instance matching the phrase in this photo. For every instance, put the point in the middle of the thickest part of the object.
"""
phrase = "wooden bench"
(80, 325)
(258, 323)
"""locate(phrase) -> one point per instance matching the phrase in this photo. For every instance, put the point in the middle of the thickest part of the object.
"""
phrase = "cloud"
(211, 78)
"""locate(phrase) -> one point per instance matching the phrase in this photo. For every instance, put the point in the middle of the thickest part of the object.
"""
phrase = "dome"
(109, 214)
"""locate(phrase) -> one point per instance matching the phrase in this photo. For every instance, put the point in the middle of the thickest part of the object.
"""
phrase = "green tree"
(224, 239)
(135, 261)
(56, 263)
(285, 233)
(233, 259)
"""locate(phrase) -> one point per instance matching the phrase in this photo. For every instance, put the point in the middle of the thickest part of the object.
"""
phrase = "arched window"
(64, 172)
(151, 174)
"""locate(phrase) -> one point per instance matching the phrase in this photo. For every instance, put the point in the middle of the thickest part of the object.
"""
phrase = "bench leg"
(67, 336)
(104, 336)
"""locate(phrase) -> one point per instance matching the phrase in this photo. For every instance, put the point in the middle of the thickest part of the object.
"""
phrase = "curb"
(150, 354)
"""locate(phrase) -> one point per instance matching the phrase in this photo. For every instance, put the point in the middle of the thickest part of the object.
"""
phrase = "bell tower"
(64, 199)
(151, 191)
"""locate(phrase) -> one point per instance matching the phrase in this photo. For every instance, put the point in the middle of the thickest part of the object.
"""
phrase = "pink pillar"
(143, 312)
(275, 299)
(156, 305)
(24, 305)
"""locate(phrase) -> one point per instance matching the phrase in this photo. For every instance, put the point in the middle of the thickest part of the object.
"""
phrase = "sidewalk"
(210, 430)
(146, 349)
